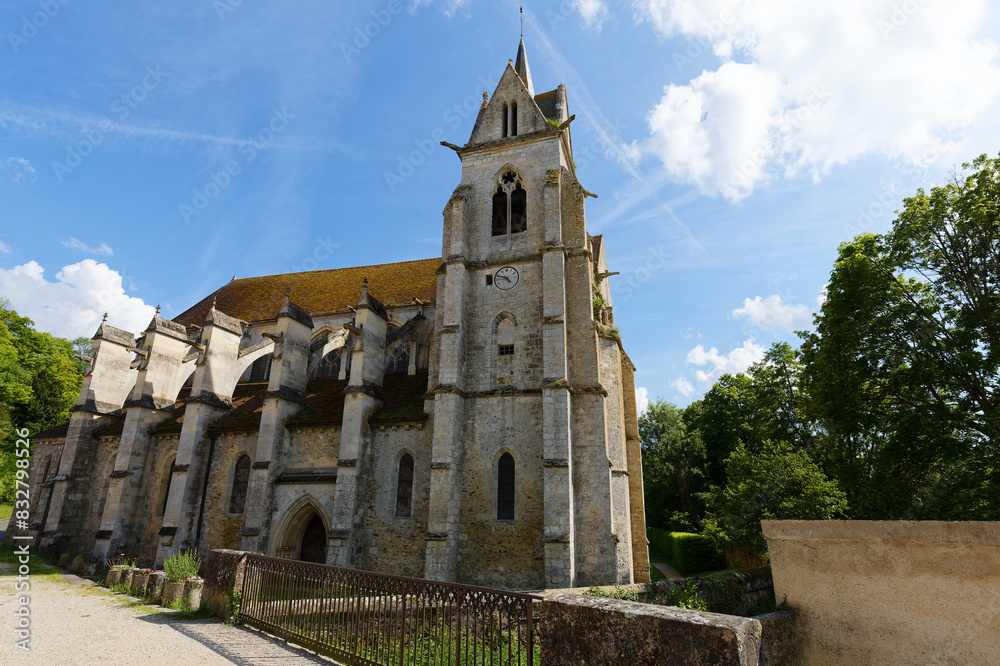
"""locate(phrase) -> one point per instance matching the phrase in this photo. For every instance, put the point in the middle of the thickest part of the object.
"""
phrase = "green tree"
(749, 409)
(673, 459)
(777, 483)
(902, 371)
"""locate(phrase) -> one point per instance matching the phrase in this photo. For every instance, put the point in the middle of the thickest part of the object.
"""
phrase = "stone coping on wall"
(877, 531)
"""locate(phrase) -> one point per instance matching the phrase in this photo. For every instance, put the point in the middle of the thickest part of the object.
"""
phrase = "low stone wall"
(593, 630)
(867, 592)
(779, 639)
(223, 573)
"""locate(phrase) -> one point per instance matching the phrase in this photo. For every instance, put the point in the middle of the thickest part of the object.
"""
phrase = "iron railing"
(360, 617)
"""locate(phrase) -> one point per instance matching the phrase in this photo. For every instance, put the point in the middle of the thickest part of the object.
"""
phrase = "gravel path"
(74, 622)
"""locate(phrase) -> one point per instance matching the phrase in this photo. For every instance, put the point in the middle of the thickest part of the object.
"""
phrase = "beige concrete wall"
(868, 592)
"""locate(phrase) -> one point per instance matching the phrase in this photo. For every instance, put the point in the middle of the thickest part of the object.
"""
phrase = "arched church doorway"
(314, 541)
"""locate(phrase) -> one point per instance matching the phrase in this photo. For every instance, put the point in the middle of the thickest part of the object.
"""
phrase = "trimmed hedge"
(695, 552)
(686, 552)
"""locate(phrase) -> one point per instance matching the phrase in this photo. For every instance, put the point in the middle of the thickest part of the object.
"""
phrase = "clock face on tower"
(506, 278)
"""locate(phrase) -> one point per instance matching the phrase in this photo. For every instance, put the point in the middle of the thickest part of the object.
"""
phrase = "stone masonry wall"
(395, 544)
(501, 553)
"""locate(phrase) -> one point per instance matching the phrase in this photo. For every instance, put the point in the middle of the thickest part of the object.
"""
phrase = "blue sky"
(151, 151)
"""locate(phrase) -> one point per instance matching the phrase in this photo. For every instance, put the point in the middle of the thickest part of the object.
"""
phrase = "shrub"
(663, 540)
(619, 593)
(182, 566)
(694, 552)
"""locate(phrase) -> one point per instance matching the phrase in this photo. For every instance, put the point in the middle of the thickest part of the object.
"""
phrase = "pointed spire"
(521, 67)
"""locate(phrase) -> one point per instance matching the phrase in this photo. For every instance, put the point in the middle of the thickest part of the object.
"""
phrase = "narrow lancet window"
(241, 481)
(513, 119)
(503, 122)
(166, 491)
(505, 487)
(404, 485)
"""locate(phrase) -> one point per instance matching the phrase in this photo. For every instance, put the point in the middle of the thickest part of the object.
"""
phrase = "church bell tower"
(529, 469)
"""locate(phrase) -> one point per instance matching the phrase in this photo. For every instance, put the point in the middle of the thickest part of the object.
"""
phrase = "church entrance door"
(314, 542)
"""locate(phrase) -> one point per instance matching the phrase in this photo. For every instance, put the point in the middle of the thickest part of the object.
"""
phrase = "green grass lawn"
(5, 512)
(655, 575)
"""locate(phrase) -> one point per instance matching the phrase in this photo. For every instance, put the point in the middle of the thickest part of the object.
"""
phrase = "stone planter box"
(192, 590)
(154, 588)
(77, 565)
(113, 578)
(139, 585)
(65, 559)
(172, 592)
(126, 577)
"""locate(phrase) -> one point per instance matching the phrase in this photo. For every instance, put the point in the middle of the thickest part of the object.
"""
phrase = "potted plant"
(117, 569)
(154, 588)
(76, 566)
(139, 581)
(183, 587)
(65, 559)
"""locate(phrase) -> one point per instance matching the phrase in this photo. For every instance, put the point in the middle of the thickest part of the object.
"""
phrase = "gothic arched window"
(330, 365)
(404, 485)
(400, 359)
(241, 481)
(510, 206)
(505, 487)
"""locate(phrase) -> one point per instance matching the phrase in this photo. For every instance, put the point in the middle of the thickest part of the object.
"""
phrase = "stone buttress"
(285, 395)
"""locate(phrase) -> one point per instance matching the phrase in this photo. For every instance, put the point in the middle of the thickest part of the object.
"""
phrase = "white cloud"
(683, 386)
(19, 169)
(773, 313)
(73, 305)
(718, 364)
(805, 86)
(593, 11)
(4, 248)
(75, 244)
(641, 399)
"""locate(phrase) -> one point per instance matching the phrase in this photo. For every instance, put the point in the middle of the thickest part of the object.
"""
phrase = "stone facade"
(371, 410)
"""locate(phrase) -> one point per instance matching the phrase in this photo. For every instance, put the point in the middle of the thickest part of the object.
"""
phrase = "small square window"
(506, 350)
(489, 280)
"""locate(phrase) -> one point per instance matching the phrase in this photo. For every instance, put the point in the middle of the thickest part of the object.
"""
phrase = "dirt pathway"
(74, 622)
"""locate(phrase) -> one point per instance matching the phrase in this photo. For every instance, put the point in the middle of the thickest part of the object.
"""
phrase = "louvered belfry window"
(241, 481)
(505, 487)
(510, 206)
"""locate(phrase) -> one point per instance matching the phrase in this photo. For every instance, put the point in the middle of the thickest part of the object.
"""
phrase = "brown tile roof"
(55, 432)
(248, 403)
(404, 398)
(324, 403)
(547, 103)
(319, 292)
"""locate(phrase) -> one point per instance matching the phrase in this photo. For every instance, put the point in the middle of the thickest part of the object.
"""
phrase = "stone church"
(467, 418)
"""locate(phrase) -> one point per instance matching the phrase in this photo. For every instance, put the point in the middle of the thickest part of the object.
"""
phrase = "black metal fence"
(360, 617)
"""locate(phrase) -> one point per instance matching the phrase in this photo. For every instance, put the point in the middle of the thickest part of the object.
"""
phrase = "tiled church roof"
(319, 292)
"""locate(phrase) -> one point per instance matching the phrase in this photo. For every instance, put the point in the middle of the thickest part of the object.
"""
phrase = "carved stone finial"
(486, 100)
(105, 317)
(157, 309)
(213, 301)
(288, 292)
(364, 283)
